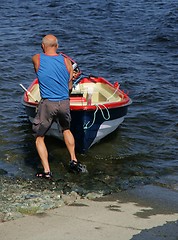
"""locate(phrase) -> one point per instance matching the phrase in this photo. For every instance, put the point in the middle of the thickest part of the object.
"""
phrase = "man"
(55, 74)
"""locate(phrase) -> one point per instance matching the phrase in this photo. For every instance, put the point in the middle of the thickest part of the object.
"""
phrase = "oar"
(76, 81)
(28, 93)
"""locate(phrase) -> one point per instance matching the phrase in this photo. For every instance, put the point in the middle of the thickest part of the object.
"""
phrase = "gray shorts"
(48, 112)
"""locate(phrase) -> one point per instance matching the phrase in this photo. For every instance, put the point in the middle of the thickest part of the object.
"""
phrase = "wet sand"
(148, 212)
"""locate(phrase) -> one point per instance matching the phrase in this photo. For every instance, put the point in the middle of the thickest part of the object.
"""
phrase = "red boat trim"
(125, 101)
(26, 97)
(102, 106)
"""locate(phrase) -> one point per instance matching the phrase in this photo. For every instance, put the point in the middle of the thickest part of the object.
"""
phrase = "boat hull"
(87, 126)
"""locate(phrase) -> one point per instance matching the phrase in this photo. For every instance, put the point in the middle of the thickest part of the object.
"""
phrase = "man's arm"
(36, 61)
(70, 69)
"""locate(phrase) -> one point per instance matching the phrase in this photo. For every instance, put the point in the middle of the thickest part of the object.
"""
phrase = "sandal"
(76, 166)
(46, 175)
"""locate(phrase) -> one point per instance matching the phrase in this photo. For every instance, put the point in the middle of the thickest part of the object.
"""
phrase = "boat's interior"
(100, 93)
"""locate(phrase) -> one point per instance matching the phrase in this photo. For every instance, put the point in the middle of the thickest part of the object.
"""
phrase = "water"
(135, 43)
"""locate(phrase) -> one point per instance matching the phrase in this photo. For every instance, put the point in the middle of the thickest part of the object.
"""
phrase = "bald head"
(50, 41)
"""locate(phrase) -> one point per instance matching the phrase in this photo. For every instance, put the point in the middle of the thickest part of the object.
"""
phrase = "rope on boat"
(85, 126)
(113, 93)
(105, 118)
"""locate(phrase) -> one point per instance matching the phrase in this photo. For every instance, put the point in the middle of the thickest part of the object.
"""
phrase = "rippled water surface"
(135, 43)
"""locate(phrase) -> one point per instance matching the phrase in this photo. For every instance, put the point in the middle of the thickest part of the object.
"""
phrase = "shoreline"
(145, 212)
(21, 197)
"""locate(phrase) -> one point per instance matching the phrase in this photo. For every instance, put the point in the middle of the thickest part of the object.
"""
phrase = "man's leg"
(43, 153)
(75, 166)
(70, 143)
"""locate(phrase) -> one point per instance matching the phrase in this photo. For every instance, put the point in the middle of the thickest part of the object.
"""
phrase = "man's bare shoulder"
(68, 62)
(36, 61)
(35, 57)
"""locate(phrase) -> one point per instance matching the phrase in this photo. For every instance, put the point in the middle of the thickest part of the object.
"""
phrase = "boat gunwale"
(126, 101)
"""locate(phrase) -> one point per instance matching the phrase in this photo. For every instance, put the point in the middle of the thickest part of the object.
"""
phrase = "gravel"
(21, 197)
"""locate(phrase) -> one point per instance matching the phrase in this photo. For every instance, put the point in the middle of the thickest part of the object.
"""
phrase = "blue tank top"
(53, 78)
